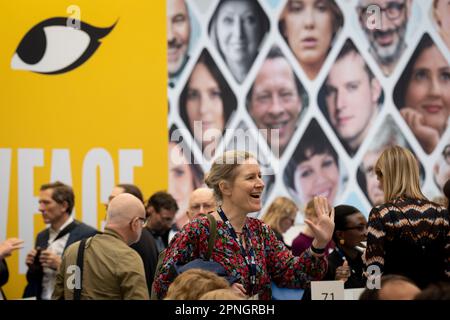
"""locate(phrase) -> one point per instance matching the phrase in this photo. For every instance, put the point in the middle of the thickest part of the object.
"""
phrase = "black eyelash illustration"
(34, 46)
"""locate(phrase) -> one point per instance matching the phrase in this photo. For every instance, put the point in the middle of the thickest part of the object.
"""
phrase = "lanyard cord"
(250, 261)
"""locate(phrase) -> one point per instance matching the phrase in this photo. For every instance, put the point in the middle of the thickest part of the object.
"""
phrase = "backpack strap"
(211, 242)
(67, 230)
(153, 295)
(80, 257)
(212, 235)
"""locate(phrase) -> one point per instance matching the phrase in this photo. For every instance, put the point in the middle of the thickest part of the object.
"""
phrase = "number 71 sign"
(327, 290)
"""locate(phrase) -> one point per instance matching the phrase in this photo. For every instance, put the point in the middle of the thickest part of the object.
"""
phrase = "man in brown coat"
(111, 269)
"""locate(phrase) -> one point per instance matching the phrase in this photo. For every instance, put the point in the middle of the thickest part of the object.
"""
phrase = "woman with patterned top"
(246, 247)
(408, 234)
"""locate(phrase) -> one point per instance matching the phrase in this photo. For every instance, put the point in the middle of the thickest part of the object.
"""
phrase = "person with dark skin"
(345, 262)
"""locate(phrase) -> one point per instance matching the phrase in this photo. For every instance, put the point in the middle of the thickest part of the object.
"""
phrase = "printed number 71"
(325, 294)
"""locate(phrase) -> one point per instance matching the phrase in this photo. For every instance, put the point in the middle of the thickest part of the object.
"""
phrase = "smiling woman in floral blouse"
(246, 247)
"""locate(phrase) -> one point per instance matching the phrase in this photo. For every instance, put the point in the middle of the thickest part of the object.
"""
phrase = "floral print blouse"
(274, 262)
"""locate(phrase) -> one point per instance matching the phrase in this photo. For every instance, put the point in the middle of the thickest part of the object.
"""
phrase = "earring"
(341, 241)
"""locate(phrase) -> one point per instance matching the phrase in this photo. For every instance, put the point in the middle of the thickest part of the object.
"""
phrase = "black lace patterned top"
(410, 237)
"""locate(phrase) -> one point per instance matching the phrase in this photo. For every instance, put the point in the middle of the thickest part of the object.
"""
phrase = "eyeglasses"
(207, 207)
(393, 10)
(143, 221)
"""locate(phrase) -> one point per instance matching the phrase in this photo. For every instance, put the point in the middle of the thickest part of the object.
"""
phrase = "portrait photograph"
(276, 100)
(441, 169)
(207, 104)
(185, 175)
(310, 27)
(441, 17)
(388, 135)
(422, 94)
(351, 98)
(314, 168)
(237, 30)
(386, 26)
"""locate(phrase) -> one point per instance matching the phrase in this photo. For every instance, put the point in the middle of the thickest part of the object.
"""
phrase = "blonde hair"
(222, 294)
(398, 170)
(224, 169)
(193, 283)
(279, 209)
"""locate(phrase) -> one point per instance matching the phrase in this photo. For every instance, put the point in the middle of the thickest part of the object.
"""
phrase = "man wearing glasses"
(387, 135)
(111, 270)
(146, 246)
(387, 38)
(201, 201)
(161, 210)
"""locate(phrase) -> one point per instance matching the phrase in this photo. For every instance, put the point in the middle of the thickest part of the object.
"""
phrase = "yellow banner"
(87, 106)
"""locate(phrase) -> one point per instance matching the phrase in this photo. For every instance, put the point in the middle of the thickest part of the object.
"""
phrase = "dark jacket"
(146, 248)
(4, 275)
(356, 279)
(34, 277)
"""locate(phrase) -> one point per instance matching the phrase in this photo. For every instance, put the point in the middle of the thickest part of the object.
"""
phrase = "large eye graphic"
(52, 47)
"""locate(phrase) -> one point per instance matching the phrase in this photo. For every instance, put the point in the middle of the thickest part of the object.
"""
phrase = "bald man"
(146, 246)
(201, 202)
(398, 289)
(111, 269)
(393, 287)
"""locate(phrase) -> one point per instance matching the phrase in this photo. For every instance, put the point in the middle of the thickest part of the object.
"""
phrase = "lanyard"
(250, 261)
(341, 254)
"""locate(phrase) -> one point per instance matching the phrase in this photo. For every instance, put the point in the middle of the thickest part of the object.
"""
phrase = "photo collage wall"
(339, 81)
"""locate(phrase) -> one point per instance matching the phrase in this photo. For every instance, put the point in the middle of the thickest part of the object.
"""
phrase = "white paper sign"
(327, 290)
(353, 294)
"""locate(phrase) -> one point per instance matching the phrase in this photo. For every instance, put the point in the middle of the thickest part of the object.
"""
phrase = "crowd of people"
(274, 71)
(222, 253)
